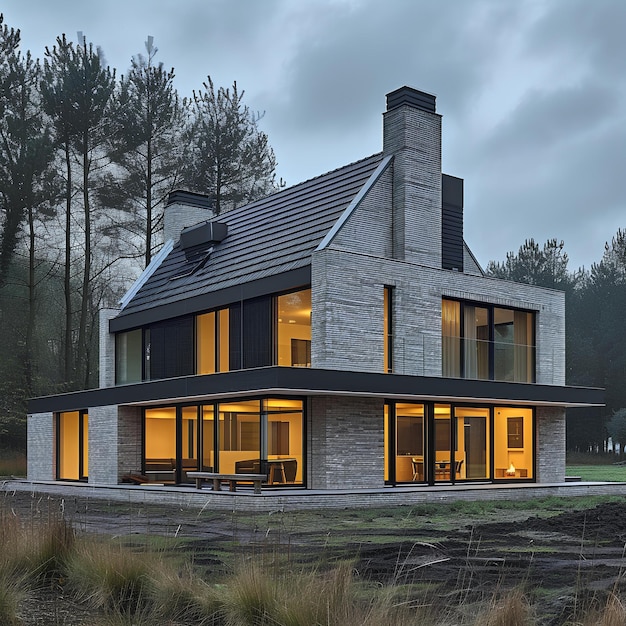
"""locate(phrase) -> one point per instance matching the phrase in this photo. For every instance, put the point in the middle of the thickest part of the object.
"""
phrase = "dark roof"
(267, 237)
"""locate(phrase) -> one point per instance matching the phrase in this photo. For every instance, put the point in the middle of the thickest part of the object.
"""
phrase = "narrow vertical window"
(128, 348)
(450, 338)
(212, 342)
(388, 329)
(72, 445)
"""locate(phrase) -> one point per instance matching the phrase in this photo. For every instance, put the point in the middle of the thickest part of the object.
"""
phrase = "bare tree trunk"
(67, 348)
(84, 303)
(149, 204)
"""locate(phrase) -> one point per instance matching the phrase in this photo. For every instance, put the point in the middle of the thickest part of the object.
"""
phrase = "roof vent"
(205, 233)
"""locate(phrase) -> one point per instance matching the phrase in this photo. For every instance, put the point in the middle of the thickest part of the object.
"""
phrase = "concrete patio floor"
(300, 499)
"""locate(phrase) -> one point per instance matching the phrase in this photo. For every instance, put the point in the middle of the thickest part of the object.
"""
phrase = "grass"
(12, 463)
(600, 473)
(156, 579)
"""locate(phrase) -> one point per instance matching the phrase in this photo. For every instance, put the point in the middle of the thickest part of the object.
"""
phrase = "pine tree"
(146, 142)
(231, 158)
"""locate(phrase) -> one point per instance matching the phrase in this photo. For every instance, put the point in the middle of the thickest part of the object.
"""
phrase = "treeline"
(87, 159)
(595, 305)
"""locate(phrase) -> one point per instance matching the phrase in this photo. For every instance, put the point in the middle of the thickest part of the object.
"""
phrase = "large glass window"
(513, 443)
(285, 438)
(487, 342)
(160, 444)
(293, 329)
(409, 442)
(513, 345)
(472, 442)
(253, 436)
(443, 443)
(252, 333)
(72, 445)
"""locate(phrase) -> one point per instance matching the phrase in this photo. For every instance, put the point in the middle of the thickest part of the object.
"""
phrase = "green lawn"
(613, 473)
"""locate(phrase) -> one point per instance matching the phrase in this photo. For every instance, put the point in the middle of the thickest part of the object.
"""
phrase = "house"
(336, 334)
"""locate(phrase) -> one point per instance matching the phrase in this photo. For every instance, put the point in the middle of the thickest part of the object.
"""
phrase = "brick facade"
(390, 235)
(41, 461)
(346, 443)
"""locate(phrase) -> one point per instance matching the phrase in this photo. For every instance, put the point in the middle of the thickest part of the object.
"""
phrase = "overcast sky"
(532, 92)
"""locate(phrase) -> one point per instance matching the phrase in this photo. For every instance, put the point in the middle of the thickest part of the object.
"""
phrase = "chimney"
(412, 134)
(184, 209)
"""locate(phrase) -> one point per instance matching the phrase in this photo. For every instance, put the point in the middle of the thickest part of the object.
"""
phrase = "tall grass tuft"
(261, 596)
(511, 609)
(612, 614)
(39, 549)
(112, 577)
(183, 595)
(13, 591)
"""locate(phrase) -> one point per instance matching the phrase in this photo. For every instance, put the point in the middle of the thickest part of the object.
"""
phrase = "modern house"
(336, 334)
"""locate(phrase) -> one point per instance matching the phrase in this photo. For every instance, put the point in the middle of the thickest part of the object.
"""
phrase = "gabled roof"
(265, 238)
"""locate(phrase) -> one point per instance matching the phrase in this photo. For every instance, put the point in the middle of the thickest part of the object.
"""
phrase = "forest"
(87, 159)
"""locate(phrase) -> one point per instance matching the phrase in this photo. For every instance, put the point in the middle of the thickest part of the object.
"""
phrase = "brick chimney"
(183, 209)
(412, 134)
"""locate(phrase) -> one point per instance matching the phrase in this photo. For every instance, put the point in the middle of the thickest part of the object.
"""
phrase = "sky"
(532, 92)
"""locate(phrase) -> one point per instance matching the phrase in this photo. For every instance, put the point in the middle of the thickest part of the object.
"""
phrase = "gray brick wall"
(41, 461)
(103, 443)
(550, 444)
(129, 440)
(114, 443)
(347, 320)
(107, 348)
(413, 136)
(177, 216)
(346, 443)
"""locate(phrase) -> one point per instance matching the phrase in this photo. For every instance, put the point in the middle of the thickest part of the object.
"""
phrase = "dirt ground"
(562, 559)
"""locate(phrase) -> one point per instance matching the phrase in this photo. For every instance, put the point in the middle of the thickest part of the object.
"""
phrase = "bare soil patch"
(454, 556)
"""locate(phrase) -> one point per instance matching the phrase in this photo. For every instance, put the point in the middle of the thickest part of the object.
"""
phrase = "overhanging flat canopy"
(294, 381)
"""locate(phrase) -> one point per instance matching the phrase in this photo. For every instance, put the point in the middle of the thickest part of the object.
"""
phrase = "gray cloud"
(532, 92)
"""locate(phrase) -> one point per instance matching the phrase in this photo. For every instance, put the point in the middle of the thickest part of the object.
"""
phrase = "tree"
(77, 90)
(27, 178)
(545, 267)
(145, 141)
(616, 428)
(231, 159)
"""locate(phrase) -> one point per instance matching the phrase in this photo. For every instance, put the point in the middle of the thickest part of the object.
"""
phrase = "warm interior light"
(511, 470)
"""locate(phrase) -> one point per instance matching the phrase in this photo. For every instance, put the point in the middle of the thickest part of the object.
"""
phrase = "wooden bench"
(231, 479)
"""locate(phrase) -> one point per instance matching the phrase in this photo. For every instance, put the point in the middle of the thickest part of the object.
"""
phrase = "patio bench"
(231, 479)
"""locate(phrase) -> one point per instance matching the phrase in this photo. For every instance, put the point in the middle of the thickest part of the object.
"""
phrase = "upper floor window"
(269, 330)
(487, 342)
(212, 342)
(388, 330)
(293, 329)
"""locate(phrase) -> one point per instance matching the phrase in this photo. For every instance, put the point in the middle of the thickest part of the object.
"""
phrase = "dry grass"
(126, 585)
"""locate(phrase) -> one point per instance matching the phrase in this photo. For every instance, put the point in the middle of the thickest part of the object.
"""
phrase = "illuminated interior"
(254, 436)
(513, 443)
(212, 343)
(487, 342)
(293, 328)
(459, 444)
(73, 445)
(410, 442)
